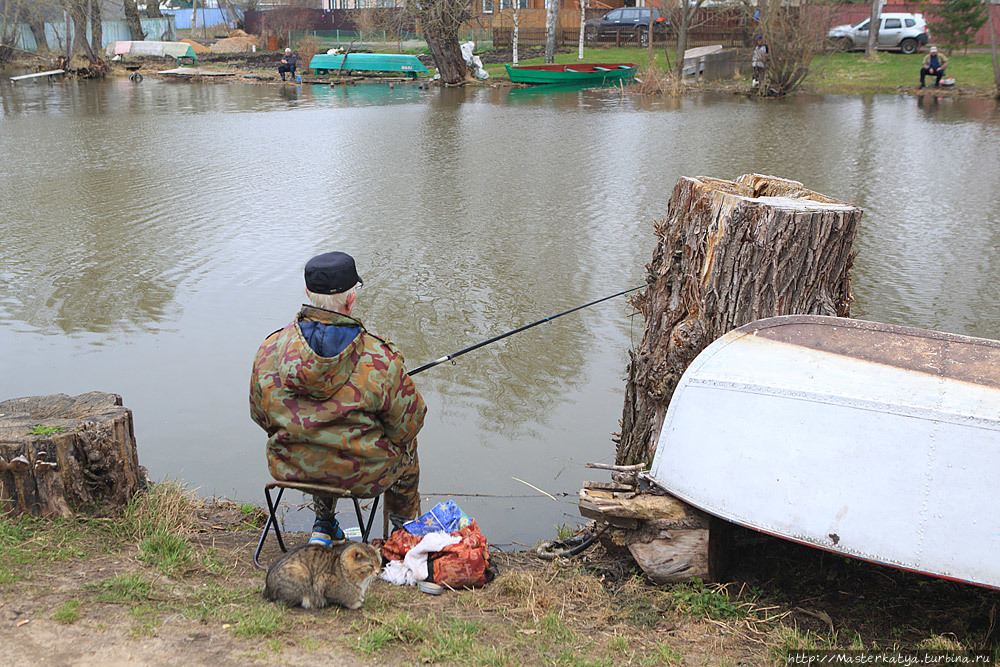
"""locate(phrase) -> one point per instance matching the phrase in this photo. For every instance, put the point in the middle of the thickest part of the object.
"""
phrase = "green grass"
(853, 73)
(451, 641)
(215, 602)
(32, 541)
(258, 620)
(67, 613)
(698, 599)
(146, 621)
(166, 551)
(829, 73)
(243, 610)
(124, 588)
(45, 430)
(663, 654)
(792, 640)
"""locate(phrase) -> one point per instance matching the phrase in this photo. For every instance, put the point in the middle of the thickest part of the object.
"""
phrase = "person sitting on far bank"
(287, 64)
(337, 403)
(759, 61)
(934, 64)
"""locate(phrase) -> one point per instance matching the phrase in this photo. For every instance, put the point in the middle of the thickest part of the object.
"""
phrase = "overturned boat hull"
(392, 63)
(869, 440)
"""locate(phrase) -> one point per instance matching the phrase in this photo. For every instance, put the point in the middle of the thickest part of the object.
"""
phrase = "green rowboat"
(368, 62)
(596, 73)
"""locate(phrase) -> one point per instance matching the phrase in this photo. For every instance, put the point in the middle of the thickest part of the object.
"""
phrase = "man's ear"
(350, 300)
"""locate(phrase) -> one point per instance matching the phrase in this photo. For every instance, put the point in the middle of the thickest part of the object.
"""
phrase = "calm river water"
(154, 234)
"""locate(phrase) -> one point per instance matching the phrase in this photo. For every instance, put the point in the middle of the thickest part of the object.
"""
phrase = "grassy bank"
(171, 579)
(835, 73)
(887, 71)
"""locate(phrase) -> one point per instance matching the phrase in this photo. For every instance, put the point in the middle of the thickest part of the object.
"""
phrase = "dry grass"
(652, 82)
(308, 46)
(167, 507)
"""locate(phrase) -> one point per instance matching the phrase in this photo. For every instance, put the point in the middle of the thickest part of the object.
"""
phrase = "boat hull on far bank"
(870, 440)
(595, 73)
(393, 63)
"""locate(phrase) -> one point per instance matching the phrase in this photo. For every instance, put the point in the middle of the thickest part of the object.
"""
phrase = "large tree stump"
(87, 457)
(729, 253)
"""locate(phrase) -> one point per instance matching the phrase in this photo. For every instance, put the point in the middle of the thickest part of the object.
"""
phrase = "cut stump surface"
(59, 454)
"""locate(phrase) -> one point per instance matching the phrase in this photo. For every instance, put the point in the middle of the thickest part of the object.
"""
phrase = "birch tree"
(551, 15)
(513, 48)
(993, 51)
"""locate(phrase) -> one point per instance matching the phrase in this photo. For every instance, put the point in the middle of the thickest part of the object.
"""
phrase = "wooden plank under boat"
(875, 441)
(395, 63)
(596, 73)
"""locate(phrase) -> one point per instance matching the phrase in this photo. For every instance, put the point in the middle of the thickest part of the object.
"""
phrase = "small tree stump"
(729, 253)
(82, 453)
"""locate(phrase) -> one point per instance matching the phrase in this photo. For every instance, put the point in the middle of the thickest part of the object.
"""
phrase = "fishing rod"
(517, 330)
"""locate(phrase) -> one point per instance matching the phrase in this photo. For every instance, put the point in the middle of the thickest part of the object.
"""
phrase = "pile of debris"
(197, 47)
(237, 42)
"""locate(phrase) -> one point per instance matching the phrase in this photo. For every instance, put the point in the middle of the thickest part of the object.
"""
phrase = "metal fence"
(111, 31)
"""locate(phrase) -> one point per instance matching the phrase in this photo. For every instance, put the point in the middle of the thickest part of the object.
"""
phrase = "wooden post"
(60, 453)
(729, 253)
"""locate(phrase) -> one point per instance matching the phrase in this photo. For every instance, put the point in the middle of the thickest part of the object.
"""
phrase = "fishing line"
(518, 330)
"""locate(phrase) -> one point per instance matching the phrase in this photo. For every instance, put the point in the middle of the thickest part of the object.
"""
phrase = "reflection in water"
(154, 234)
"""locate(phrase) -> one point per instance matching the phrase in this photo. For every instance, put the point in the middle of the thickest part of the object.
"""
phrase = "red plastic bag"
(462, 565)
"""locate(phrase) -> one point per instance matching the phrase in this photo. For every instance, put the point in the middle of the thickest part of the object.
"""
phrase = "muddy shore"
(171, 580)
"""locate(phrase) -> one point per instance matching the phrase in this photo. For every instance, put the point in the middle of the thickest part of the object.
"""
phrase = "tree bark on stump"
(91, 461)
(729, 253)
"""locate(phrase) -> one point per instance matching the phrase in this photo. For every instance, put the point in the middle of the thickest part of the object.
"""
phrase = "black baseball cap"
(331, 273)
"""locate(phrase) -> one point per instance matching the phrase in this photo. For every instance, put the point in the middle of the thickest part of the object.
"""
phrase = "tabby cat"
(314, 576)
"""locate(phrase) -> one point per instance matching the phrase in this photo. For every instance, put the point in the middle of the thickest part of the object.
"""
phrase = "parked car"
(629, 20)
(906, 32)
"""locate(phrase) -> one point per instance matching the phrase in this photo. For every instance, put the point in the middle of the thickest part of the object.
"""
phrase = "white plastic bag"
(474, 63)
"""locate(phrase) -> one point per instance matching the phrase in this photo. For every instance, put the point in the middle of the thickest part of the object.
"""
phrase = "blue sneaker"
(327, 533)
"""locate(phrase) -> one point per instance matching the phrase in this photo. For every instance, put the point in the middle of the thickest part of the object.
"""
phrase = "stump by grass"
(729, 253)
(60, 454)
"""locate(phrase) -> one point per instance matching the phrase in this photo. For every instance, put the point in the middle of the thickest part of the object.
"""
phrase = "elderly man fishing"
(287, 64)
(336, 401)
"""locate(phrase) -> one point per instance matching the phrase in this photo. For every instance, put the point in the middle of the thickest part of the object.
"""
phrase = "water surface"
(154, 234)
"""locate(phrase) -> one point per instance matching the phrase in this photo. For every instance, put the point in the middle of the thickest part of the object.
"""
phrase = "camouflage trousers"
(402, 498)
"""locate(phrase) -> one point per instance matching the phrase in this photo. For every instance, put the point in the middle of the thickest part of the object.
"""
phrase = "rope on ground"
(573, 546)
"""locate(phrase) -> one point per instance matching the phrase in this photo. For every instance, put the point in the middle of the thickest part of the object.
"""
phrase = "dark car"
(628, 20)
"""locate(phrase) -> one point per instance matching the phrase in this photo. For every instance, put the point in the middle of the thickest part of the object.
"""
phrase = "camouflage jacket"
(345, 420)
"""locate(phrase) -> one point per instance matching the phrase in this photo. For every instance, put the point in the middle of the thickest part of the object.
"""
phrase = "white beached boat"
(870, 440)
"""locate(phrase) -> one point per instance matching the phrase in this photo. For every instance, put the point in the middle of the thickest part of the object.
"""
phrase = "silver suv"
(906, 32)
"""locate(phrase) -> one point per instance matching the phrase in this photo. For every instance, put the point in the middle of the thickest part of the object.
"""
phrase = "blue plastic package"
(446, 517)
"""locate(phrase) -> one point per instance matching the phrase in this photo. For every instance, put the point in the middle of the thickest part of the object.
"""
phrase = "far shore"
(833, 74)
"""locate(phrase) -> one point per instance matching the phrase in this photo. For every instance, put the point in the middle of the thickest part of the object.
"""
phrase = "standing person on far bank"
(337, 403)
(759, 61)
(934, 64)
(287, 64)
